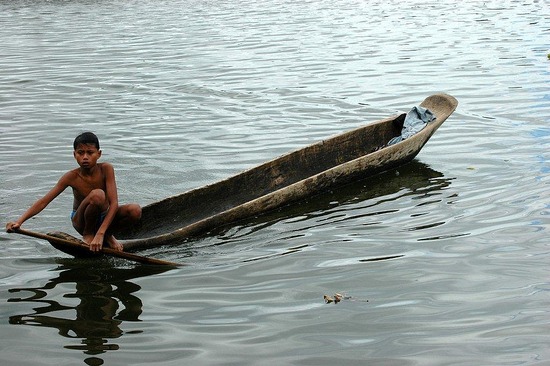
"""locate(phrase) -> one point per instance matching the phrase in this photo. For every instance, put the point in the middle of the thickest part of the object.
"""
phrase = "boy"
(95, 204)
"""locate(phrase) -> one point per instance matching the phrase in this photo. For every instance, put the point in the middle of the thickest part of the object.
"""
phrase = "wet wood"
(78, 248)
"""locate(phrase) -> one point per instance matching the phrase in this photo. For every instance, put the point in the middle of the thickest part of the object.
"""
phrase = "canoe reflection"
(364, 202)
(105, 298)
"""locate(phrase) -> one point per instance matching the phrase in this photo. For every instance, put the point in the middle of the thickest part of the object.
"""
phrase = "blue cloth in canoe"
(415, 121)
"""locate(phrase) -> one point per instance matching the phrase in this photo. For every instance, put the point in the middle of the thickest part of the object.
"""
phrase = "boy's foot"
(87, 238)
(113, 243)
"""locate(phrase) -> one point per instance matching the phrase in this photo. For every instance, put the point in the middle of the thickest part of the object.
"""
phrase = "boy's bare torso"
(83, 182)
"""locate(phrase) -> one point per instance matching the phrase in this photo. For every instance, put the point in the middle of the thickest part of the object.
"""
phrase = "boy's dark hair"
(86, 138)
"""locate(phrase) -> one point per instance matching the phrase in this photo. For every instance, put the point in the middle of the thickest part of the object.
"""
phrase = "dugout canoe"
(338, 160)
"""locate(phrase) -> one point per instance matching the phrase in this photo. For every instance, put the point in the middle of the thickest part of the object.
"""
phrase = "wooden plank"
(78, 248)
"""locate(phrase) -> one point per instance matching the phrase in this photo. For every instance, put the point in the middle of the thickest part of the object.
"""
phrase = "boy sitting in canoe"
(95, 204)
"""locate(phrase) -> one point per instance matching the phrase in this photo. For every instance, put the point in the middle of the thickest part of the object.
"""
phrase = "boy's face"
(86, 155)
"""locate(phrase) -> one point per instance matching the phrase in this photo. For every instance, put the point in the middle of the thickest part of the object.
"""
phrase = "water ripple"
(443, 259)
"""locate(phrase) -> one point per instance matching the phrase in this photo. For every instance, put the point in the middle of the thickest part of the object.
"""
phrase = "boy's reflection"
(105, 299)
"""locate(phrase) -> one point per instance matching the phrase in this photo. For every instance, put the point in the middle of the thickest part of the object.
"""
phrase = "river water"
(442, 261)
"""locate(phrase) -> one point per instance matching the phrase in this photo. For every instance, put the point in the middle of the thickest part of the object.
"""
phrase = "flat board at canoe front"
(77, 248)
(337, 160)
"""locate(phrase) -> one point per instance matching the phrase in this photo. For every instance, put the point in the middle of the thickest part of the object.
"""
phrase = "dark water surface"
(444, 260)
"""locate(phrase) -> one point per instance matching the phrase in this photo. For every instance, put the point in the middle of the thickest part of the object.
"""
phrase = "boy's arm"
(112, 198)
(40, 204)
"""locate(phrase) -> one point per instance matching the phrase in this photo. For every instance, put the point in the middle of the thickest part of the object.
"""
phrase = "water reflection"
(105, 297)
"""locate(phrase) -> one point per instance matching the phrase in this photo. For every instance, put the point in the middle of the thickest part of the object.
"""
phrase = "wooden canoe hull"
(341, 159)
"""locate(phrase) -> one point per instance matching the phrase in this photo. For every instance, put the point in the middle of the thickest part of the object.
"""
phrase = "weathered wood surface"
(335, 161)
(76, 247)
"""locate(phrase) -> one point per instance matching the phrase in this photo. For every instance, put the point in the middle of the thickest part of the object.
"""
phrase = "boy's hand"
(12, 226)
(97, 243)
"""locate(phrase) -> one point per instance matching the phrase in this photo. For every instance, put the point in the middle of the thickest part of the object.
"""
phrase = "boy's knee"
(130, 212)
(134, 212)
(97, 197)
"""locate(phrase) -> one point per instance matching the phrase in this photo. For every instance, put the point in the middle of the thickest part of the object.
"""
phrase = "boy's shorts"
(99, 220)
